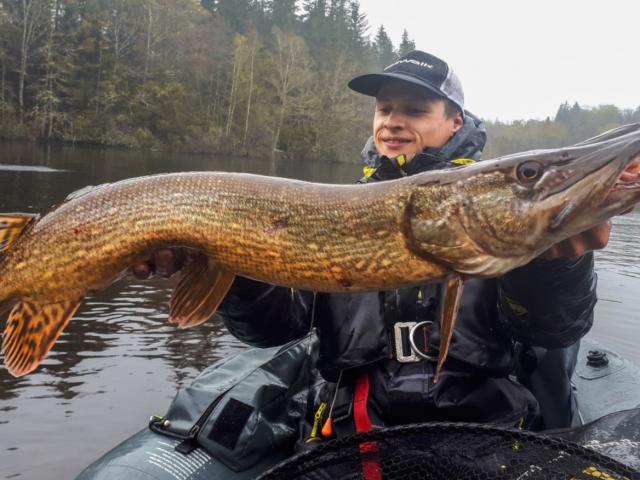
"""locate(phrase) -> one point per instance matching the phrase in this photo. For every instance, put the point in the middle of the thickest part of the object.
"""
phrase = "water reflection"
(119, 360)
(27, 168)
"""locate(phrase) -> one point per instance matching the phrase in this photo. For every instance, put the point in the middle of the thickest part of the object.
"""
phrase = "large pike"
(479, 220)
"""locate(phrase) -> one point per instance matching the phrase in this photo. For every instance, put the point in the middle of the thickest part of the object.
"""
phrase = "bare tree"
(121, 31)
(30, 16)
(236, 73)
(290, 73)
(254, 46)
(4, 23)
(46, 94)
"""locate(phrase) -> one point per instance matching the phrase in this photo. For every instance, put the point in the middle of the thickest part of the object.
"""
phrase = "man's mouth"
(395, 142)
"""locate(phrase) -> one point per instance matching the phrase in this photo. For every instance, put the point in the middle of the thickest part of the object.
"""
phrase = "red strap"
(368, 450)
(360, 398)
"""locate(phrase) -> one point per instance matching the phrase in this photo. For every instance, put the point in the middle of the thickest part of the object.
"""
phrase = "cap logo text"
(410, 60)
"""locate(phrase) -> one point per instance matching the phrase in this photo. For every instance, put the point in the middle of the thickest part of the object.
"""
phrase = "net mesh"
(450, 451)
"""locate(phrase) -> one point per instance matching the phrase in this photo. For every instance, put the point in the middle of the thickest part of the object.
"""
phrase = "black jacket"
(546, 303)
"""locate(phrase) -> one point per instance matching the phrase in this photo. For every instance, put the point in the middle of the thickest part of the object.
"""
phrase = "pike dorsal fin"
(201, 288)
(13, 225)
(31, 331)
(83, 191)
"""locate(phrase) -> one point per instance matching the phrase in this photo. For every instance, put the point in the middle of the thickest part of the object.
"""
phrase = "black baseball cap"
(419, 68)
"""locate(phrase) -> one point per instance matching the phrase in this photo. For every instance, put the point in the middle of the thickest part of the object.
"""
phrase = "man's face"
(407, 120)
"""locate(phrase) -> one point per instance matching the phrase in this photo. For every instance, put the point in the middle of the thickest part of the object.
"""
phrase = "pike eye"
(529, 172)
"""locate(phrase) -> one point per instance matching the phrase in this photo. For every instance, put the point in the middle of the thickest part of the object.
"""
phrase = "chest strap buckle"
(406, 344)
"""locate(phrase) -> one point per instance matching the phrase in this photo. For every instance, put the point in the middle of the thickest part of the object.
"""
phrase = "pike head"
(490, 217)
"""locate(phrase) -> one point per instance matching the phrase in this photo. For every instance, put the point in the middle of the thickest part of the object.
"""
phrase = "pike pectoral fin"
(452, 296)
(31, 331)
(199, 292)
(12, 226)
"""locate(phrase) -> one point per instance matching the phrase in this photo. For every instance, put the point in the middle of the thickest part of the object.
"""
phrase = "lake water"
(118, 361)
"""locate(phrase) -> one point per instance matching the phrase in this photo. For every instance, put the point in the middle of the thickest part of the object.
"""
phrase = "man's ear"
(458, 122)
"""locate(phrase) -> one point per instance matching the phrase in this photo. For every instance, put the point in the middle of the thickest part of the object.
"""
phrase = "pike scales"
(480, 220)
(282, 231)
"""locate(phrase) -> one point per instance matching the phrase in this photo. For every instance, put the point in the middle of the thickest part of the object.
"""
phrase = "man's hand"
(593, 239)
(164, 262)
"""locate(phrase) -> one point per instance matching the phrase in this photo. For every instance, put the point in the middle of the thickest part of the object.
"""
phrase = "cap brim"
(370, 83)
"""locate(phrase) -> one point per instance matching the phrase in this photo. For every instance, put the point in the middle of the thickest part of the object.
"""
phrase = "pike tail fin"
(12, 226)
(31, 331)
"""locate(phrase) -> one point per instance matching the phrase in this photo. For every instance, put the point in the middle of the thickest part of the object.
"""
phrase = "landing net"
(448, 451)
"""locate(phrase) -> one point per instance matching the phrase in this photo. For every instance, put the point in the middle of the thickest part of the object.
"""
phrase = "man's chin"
(395, 152)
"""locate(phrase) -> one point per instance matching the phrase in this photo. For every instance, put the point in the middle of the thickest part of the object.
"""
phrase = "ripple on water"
(28, 168)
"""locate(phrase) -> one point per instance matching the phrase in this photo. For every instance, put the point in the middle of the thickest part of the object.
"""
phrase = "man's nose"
(395, 119)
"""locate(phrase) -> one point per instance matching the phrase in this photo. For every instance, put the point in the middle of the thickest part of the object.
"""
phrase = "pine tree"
(406, 44)
(283, 14)
(338, 11)
(357, 25)
(315, 24)
(236, 12)
(563, 115)
(383, 46)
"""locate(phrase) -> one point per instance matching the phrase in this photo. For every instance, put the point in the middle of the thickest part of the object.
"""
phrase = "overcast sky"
(523, 59)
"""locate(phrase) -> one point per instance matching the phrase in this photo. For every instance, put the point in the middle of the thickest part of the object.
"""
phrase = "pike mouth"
(625, 185)
(626, 180)
(632, 170)
(616, 193)
(623, 195)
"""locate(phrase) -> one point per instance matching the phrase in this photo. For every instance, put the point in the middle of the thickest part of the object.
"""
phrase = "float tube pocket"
(245, 407)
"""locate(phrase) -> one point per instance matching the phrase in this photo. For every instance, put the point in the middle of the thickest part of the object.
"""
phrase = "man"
(420, 124)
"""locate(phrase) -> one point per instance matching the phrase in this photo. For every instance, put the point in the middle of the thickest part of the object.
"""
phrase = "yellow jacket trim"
(463, 161)
(368, 171)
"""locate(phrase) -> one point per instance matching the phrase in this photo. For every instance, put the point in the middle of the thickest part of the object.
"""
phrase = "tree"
(383, 47)
(4, 58)
(290, 72)
(283, 14)
(29, 15)
(357, 26)
(121, 31)
(204, 65)
(315, 24)
(406, 44)
(236, 12)
(55, 68)
(253, 45)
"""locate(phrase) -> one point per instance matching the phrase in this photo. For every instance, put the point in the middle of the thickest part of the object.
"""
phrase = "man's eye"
(384, 110)
(416, 111)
